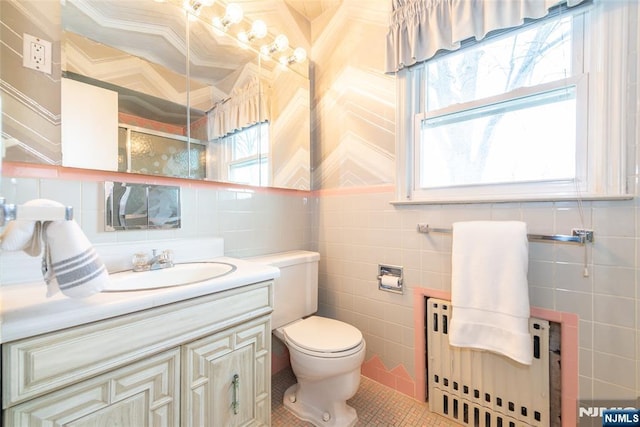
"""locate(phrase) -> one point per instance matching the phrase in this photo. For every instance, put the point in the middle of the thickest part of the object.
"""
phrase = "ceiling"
(312, 9)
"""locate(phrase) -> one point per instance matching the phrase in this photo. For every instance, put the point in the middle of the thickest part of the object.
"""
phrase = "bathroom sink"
(179, 275)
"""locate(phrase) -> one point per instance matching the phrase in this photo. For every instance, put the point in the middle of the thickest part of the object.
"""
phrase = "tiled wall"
(250, 221)
(356, 231)
(358, 228)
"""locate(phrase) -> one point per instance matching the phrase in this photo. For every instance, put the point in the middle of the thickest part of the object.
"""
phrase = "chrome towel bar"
(578, 235)
(10, 212)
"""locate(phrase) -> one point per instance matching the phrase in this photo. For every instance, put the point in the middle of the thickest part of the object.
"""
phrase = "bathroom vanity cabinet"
(199, 362)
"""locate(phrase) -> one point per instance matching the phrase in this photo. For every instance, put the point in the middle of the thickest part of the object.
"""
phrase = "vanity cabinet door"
(144, 393)
(226, 377)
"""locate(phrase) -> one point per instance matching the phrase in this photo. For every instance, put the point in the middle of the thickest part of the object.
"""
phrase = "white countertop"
(26, 311)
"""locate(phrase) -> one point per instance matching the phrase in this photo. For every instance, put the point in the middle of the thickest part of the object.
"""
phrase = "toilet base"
(338, 415)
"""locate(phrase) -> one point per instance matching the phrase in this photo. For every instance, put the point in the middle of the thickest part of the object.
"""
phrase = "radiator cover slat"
(485, 388)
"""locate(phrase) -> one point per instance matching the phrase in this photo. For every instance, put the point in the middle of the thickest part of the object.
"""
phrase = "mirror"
(169, 109)
(140, 206)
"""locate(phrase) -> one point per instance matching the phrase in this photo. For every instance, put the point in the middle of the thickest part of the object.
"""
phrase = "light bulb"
(299, 54)
(259, 29)
(265, 51)
(192, 7)
(233, 13)
(281, 43)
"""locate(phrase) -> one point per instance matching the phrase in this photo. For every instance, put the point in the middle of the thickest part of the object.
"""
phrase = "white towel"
(489, 290)
(25, 235)
(70, 264)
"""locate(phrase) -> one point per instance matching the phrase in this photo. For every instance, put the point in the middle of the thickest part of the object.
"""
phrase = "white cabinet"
(141, 394)
(200, 362)
(89, 126)
(226, 380)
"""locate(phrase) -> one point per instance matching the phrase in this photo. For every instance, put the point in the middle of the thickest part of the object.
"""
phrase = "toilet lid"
(321, 334)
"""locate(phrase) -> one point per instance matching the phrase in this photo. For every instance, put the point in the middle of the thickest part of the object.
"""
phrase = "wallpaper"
(353, 107)
(30, 98)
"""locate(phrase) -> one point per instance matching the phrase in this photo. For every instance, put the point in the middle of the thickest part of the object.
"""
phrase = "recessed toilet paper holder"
(390, 278)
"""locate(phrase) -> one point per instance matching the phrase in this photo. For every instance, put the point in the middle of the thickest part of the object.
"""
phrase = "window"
(157, 153)
(243, 155)
(506, 118)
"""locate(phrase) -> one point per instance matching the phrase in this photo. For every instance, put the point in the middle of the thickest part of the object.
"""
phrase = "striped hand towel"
(70, 263)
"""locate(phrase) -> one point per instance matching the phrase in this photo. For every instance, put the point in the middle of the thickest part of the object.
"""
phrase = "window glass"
(527, 57)
(518, 140)
(246, 154)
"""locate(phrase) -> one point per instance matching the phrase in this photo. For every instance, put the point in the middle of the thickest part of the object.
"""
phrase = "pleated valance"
(246, 106)
(420, 28)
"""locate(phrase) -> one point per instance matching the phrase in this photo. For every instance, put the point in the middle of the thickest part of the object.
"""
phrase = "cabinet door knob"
(236, 393)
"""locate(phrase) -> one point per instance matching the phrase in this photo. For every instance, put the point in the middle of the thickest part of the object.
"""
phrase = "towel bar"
(10, 212)
(578, 235)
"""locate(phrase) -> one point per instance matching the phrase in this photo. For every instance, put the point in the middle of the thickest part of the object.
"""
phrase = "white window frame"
(261, 159)
(602, 158)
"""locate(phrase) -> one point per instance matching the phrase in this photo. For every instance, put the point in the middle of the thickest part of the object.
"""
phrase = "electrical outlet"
(36, 53)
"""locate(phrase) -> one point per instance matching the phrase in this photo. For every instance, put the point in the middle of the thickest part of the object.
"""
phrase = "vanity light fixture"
(299, 55)
(258, 31)
(233, 14)
(280, 43)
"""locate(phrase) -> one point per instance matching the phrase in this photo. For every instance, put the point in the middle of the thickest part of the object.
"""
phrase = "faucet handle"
(140, 261)
(167, 255)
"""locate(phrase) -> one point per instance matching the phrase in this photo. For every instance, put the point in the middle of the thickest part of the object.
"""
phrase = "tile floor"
(377, 405)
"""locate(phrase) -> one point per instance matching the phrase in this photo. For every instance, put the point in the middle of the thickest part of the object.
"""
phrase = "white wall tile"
(613, 373)
(616, 281)
(614, 311)
(615, 340)
(615, 221)
(20, 190)
(69, 193)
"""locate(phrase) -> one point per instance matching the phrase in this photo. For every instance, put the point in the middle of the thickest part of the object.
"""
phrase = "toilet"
(325, 354)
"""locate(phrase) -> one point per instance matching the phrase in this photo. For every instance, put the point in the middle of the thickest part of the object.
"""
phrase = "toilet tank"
(295, 293)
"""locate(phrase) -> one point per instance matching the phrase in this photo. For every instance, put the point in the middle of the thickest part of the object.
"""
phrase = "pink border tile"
(28, 170)
(355, 190)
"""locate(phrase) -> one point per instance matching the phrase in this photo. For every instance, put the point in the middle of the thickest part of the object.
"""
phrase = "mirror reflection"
(191, 101)
(139, 206)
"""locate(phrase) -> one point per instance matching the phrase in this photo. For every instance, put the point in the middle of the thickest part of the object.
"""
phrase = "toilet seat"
(323, 337)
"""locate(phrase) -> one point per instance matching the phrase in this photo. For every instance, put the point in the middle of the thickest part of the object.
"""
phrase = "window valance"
(246, 106)
(420, 28)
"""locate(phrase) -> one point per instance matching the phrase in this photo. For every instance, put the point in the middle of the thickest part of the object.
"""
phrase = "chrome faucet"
(141, 261)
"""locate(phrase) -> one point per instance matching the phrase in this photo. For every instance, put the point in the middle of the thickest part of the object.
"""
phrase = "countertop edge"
(25, 311)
